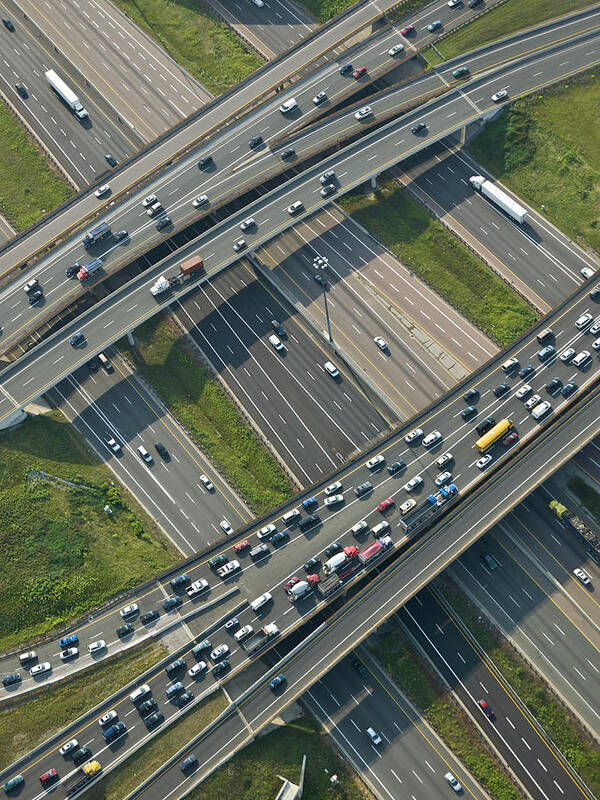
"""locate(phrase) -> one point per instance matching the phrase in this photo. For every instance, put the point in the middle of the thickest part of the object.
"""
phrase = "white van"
(290, 516)
(260, 601)
(289, 105)
(145, 455)
(581, 359)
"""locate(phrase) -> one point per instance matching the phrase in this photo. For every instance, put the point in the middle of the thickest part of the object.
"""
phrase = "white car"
(239, 245)
(225, 526)
(148, 201)
(381, 343)
(568, 354)
(197, 669)
(197, 587)
(373, 736)
(40, 669)
(258, 3)
(443, 478)
(108, 717)
(112, 444)
(541, 409)
(227, 569)
(432, 438)
(319, 98)
(207, 483)
(140, 692)
(596, 344)
(397, 48)
(526, 389)
(452, 780)
(454, 3)
(374, 462)
(243, 632)
(582, 576)
(247, 224)
(295, 207)
(413, 483)
(331, 369)
(443, 460)
(219, 652)
(595, 329)
(499, 95)
(200, 200)
(588, 272)
(102, 190)
(484, 461)
(532, 402)
(333, 488)
(129, 611)
(412, 435)
(72, 744)
(333, 500)
(406, 506)
(363, 112)
(276, 342)
(70, 652)
(583, 320)
(267, 531)
(95, 647)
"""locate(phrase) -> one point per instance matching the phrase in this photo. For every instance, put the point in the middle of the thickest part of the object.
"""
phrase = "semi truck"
(83, 776)
(590, 539)
(164, 284)
(425, 513)
(500, 198)
(258, 640)
(337, 561)
(94, 266)
(66, 94)
(300, 590)
(375, 550)
(329, 585)
(98, 233)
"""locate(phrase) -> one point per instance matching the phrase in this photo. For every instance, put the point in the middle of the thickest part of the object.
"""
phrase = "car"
(295, 207)
(197, 669)
(82, 755)
(179, 581)
(8, 24)
(124, 630)
(283, 536)
(345, 69)
(277, 681)
(72, 271)
(329, 189)
(473, 3)
(70, 652)
(582, 576)
(471, 394)
(498, 96)
(434, 26)
(318, 276)
(569, 388)
(175, 666)
(197, 587)
(406, 506)
(503, 388)
(147, 706)
(255, 141)
(149, 201)
(22, 90)
(129, 610)
(443, 460)
(72, 744)
(588, 272)
(375, 462)
(363, 488)
(449, 776)
(191, 762)
(48, 777)
(396, 466)
(483, 461)
(18, 780)
(108, 717)
(162, 451)
(111, 159)
(313, 564)
(595, 329)
(319, 98)
(40, 669)
(373, 736)
(239, 245)
(216, 561)
(381, 343)
(484, 706)
(397, 48)
(102, 190)
(595, 344)
(386, 504)
(333, 488)
(114, 731)
(526, 371)
(201, 200)
(68, 641)
(546, 352)
(120, 235)
(583, 320)
(155, 719)
(35, 297)
(247, 224)
(523, 391)
(332, 549)
(329, 367)
(288, 153)
(268, 530)
(220, 666)
(172, 602)
(163, 222)
(359, 72)
(201, 647)
(454, 3)
(240, 546)
(532, 402)
(420, 126)
(333, 500)
(541, 410)
(77, 339)
(246, 630)
(31, 286)
(149, 616)
(468, 412)
(97, 646)
(226, 527)
(553, 385)
(413, 483)
(432, 438)
(205, 162)
(183, 699)
(227, 569)
(28, 657)
(360, 528)
(460, 72)
(443, 478)
(140, 692)
(276, 342)
(208, 484)
(278, 328)
(363, 112)
(510, 439)
(595, 293)
(218, 652)
(409, 29)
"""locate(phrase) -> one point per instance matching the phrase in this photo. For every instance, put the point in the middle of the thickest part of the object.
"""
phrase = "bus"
(497, 432)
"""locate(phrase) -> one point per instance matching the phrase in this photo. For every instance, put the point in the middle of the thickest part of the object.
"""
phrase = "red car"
(292, 582)
(510, 439)
(48, 777)
(359, 72)
(486, 709)
(409, 29)
(385, 504)
(237, 548)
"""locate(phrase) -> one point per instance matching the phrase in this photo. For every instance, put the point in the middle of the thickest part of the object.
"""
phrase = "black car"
(171, 603)
(396, 466)
(124, 630)
(147, 706)
(154, 719)
(360, 668)
(473, 3)
(553, 385)
(468, 412)
(93, 364)
(72, 271)
(189, 763)
(471, 394)
(35, 297)
(163, 222)
(199, 649)
(204, 162)
(12, 677)
(503, 388)
(255, 141)
(120, 235)
(175, 666)
(345, 69)
(595, 293)
(8, 24)
(278, 328)
(485, 425)
(149, 616)
(313, 564)
(81, 755)
(183, 699)
(526, 371)
(22, 90)
(77, 339)
(569, 388)
(420, 126)
(363, 488)
(332, 549)
(111, 160)
(179, 581)
(218, 561)
(280, 536)
(287, 153)
(220, 666)
(162, 451)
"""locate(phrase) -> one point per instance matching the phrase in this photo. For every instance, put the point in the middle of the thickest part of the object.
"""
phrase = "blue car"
(309, 502)
(434, 25)
(277, 681)
(69, 641)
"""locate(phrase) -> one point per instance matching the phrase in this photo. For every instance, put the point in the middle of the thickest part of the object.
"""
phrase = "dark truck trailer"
(94, 266)
(83, 776)
(256, 642)
(425, 513)
(96, 234)
(329, 585)
(589, 538)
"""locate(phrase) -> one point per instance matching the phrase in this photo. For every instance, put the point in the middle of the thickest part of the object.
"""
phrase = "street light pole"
(320, 263)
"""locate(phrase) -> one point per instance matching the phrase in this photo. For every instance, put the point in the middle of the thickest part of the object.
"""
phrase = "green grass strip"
(62, 553)
(546, 148)
(201, 404)
(416, 680)
(427, 248)
(574, 742)
(29, 185)
(27, 721)
(193, 35)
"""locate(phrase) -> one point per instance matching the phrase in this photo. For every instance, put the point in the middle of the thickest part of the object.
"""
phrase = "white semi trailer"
(66, 93)
(500, 198)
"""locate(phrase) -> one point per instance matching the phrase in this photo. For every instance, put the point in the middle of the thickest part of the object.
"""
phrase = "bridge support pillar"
(130, 338)
(14, 419)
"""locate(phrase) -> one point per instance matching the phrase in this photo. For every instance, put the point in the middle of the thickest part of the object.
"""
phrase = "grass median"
(546, 148)
(26, 722)
(195, 37)
(426, 247)
(63, 554)
(254, 772)
(507, 18)
(200, 403)
(29, 185)
(574, 742)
